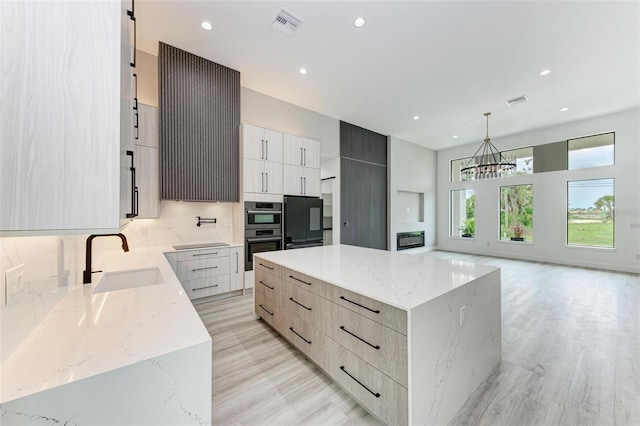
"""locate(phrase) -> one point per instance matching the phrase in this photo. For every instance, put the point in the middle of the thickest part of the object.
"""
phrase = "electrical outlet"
(463, 315)
(14, 280)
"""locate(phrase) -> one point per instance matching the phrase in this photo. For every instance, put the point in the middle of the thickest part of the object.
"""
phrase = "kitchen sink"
(130, 278)
(199, 245)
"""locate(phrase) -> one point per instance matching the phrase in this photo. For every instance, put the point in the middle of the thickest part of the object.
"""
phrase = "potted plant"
(469, 228)
(518, 230)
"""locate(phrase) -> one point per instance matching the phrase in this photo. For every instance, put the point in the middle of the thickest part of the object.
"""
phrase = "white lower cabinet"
(210, 271)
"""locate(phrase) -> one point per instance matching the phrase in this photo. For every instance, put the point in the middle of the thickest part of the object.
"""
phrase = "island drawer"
(268, 283)
(302, 335)
(202, 254)
(266, 266)
(380, 346)
(202, 268)
(308, 306)
(382, 313)
(378, 393)
(266, 308)
(207, 286)
(304, 281)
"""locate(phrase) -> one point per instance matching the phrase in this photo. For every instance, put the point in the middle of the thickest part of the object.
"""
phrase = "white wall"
(265, 111)
(412, 176)
(550, 199)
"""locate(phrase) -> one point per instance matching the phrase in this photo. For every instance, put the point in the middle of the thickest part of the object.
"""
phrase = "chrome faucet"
(86, 274)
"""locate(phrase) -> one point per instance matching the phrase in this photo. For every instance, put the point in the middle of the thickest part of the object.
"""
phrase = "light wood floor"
(570, 356)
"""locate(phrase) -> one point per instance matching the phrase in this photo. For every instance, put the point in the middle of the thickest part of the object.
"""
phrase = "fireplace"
(407, 240)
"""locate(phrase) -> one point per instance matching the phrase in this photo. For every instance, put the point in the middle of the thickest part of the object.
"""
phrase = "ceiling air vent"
(286, 22)
(515, 101)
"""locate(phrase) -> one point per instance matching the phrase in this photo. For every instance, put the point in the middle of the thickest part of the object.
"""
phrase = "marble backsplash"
(53, 263)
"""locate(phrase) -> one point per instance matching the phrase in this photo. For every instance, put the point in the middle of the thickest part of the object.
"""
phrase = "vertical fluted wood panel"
(199, 127)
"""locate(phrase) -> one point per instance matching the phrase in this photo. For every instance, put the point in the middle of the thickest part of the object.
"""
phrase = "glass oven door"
(258, 245)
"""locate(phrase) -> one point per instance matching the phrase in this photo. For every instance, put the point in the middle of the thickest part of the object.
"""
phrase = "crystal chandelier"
(487, 162)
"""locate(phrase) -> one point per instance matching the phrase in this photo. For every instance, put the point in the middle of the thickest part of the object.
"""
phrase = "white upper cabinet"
(311, 153)
(262, 144)
(298, 151)
(67, 116)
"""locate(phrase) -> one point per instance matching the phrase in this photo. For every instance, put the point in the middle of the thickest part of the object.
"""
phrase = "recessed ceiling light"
(545, 72)
(303, 71)
(564, 109)
(359, 22)
(206, 25)
(455, 136)
(416, 117)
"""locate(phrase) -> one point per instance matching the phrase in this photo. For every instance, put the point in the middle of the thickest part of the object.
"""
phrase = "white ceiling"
(445, 61)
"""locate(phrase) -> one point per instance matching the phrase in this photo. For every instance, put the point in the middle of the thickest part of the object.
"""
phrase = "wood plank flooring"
(571, 356)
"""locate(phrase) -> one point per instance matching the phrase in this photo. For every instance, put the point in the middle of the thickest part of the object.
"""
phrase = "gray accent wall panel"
(362, 144)
(199, 127)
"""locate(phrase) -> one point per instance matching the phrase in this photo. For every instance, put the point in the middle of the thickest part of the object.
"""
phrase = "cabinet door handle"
(305, 157)
(131, 13)
(205, 254)
(298, 334)
(262, 149)
(237, 262)
(135, 96)
(358, 337)
(376, 394)
(266, 310)
(202, 288)
(266, 150)
(133, 187)
(300, 185)
(202, 269)
(137, 198)
(305, 186)
(267, 286)
(266, 266)
(298, 279)
(262, 182)
(298, 303)
(375, 311)
(137, 126)
(135, 43)
(267, 180)
(301, 161)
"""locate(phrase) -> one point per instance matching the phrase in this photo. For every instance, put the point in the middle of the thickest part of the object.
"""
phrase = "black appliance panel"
(302, 222)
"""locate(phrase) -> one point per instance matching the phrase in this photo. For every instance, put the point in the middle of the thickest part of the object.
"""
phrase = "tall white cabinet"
(66, 116)
(301, 174)
(148, 162)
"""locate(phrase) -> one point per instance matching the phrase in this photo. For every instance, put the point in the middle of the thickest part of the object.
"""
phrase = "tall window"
(591, 151)
(590, 212)
(516, 213)
(463, 222)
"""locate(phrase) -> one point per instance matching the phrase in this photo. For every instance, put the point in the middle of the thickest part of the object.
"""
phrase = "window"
(523, 157)
(462, 213)
(590, 212)
(591, 151)
(516, 213)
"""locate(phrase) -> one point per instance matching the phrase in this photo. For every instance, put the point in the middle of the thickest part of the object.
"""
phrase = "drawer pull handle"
(377, 395)
(298, 303)
(266, 310)
(362, 306)
(205, 254)
(298, 279)
(202, 269)
(265, 285)
(202, 288)
(268, 267)
(298, 334)
(358, 337)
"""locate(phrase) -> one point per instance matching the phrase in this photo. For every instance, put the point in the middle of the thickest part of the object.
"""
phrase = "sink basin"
(130, 278)
(199, 245)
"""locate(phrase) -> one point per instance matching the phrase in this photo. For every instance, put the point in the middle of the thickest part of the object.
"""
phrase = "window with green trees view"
(590, 212)
(516, 212)
(463, 222)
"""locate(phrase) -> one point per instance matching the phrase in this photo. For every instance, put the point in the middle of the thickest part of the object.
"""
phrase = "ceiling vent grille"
(515, 101)
(286, 22)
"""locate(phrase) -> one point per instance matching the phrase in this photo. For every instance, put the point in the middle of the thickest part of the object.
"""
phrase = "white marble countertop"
(397, 279)
(88, 334)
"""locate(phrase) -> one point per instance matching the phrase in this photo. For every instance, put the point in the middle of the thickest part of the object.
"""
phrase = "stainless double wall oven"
(262, 229)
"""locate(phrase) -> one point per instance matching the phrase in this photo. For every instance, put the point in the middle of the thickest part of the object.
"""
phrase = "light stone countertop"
(87, 334)
(401, 280)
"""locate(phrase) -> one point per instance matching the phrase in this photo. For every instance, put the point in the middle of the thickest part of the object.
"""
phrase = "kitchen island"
(137, 355)
(409, 337)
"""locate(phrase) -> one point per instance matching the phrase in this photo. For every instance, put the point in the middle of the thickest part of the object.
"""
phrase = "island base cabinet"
(381, 395)
(265, 307)
(308, 339)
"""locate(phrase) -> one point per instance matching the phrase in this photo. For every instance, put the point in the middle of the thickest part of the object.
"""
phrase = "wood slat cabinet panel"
(305, 304)
(305, 282)
(266, 266)
(202, 268)
(381, 395)
(382, 313)
(382, 347)
(266, 308)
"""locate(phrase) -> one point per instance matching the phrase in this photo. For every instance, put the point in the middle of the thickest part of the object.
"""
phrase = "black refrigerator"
(302, 222)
